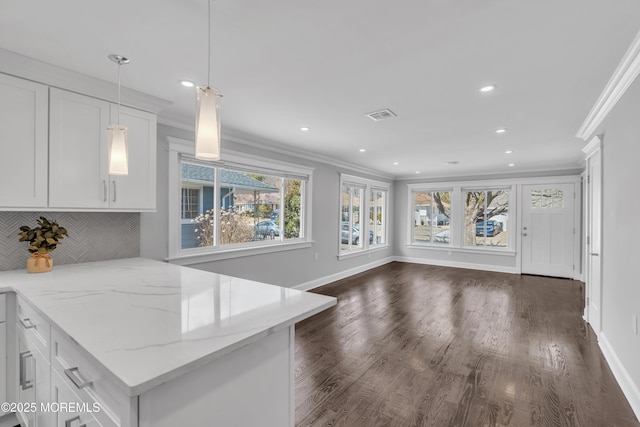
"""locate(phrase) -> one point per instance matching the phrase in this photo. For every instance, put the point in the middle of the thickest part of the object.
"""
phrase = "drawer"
(68, 410)
(35, 327)
(89, 382)
(3, 307)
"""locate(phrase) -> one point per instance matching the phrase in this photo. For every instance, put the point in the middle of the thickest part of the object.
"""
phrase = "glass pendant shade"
(207, 124)
(118, 162)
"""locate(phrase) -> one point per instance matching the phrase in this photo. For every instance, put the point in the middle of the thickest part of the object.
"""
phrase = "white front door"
(594, 277)
(548, 229)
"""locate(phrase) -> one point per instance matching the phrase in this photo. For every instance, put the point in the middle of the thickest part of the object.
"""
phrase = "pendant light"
(207, 119)
(118, 162)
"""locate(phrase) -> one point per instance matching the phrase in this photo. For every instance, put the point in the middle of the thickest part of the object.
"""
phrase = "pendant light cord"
(209, 50)
(119, 66)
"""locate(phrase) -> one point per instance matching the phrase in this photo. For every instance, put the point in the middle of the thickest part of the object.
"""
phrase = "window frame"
(412, 209)
(456, 239)
(180, 149)
(368, 185)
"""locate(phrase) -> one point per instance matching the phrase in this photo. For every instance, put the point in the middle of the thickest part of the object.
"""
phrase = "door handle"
(25, 384)
(70, 421)
(594, 254)
(26, 323)
(74, 376)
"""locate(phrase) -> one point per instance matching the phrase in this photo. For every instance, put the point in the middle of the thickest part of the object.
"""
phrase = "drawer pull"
(25, 384)
(27, 323)
(70, 421)
(76, 379)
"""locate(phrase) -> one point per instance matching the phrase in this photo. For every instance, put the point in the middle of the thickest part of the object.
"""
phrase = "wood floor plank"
(417, 345)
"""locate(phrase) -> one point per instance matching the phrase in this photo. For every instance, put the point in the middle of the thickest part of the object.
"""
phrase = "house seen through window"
(223, 207)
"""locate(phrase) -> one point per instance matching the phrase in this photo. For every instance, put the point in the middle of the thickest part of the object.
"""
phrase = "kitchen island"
(154, 344)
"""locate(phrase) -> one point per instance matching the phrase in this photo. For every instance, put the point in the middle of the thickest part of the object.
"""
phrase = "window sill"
(348, 255)
(484, 250)
(222, 254)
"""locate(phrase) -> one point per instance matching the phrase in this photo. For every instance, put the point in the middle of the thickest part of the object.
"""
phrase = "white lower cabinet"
(68, 410)
(33, 382)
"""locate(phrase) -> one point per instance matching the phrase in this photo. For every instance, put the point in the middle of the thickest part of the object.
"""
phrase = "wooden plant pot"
(39, 263)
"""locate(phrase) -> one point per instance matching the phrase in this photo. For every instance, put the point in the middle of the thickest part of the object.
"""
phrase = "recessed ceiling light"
(396, 163)
(187, 83)
(511, 164)
(488, 88)
(452, 163)
(503, 130)
(417, 171)
(305, 129)
(508, 152)
(362, 150)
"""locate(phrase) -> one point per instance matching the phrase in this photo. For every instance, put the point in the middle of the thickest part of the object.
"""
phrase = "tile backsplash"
(93, 236)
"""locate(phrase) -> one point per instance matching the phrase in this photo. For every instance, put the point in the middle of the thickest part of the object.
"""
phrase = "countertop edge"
(143, 387)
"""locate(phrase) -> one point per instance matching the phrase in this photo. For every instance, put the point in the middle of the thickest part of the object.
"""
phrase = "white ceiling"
(284, 64)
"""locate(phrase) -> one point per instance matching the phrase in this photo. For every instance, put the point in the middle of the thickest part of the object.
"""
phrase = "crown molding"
(38, 71)
(622, 78)
(592, 147)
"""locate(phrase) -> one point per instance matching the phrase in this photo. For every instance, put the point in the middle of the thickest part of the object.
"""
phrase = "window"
(431, 217)
(377, 217)
(236, 206)
(363, 214)
(461, 216)
(547, 198)
(486, 214)
(190, 203)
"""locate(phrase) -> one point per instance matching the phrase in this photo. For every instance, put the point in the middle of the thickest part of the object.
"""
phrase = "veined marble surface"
(148, 322)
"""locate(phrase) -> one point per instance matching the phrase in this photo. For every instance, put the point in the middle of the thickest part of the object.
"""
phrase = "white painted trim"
(312, 284)
(492, 184)
(211, 254)
(486, 250)
(185, 146)
(274, 147)
(32, 69)
(629, 388)
(592, 147)
(457, 264)
(622, 78)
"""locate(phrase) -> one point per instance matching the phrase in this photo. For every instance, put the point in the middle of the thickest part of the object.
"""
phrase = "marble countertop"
(147, 322)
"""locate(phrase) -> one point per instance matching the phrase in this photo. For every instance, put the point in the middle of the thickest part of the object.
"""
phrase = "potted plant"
(42, 240)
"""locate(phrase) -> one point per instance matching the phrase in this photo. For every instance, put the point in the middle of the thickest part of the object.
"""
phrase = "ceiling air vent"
(376, 116)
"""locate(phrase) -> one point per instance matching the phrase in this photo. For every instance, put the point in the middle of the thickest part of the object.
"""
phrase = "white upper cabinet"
(78, 155)
(138, 189)
(23, 143)
(77, 151)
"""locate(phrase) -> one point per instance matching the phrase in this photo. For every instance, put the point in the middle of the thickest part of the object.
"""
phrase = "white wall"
(620, 238)
(289, 268)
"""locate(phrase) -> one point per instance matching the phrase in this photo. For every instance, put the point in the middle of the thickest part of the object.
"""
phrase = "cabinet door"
(138, 189)
(23, 143)
(34, 382)
(77, 151)
(26, 380)
(61, 394)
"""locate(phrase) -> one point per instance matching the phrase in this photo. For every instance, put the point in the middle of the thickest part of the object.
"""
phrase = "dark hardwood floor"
(417, 345)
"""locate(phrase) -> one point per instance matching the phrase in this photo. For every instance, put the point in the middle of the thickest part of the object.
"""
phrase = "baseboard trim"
(456, 264)
(629, 388)
(312, 284)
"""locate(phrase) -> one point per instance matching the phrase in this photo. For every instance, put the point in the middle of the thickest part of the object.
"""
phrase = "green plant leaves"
(44, 238)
